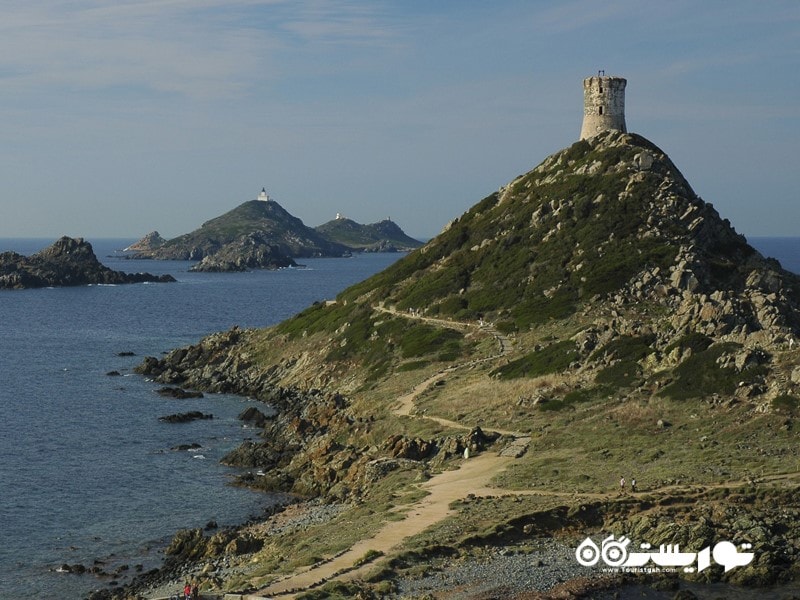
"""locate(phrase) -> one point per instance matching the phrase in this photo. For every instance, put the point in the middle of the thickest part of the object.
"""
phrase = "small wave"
(200, 456)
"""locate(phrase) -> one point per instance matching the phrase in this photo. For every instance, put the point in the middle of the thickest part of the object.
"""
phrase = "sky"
(120, 118)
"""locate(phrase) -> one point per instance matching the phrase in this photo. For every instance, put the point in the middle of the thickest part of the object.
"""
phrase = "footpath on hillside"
(471, 477)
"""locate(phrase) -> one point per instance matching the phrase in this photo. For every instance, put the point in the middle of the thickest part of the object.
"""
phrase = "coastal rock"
(68, 262)
(151, 241)
(254, 417)
(251, 251)
(179, 393)
(187, 417)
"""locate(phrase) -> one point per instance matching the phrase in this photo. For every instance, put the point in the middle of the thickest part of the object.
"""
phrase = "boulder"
(178, 393)
(187, 417)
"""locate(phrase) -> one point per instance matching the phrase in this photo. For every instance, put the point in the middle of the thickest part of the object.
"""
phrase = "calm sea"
(86, 468)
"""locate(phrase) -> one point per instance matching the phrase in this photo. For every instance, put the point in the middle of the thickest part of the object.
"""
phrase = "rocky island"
(477, 411)
(261, 234)
(383, 236)
(68, 262)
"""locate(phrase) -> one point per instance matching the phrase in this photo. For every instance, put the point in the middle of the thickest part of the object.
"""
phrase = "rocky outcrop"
(68, 262)
(187, 417)
(252, 251)
(178, 393)
(151, 241)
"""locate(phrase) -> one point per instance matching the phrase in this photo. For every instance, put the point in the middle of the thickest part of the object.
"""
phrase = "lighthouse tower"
(603, 105)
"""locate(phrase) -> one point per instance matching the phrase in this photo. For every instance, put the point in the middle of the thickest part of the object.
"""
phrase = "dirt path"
(472, 477)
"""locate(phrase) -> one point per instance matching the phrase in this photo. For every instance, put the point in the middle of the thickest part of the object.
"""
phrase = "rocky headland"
(67, 262)
(592, 320)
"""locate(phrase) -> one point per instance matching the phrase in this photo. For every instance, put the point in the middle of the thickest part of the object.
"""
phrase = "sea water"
(87, 470)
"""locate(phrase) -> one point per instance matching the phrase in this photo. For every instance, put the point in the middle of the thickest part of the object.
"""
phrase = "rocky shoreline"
(292, 457)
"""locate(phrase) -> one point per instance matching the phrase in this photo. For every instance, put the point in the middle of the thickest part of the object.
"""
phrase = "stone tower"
(603, 104)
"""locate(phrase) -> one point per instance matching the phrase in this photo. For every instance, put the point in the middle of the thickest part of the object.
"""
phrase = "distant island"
(383, 236)
(261, 234)
(67, 262)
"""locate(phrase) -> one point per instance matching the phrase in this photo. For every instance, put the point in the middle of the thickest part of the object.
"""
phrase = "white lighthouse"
(263, 196)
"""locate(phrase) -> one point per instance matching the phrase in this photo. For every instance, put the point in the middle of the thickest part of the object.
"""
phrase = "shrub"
(552, 359)
(700, 375)
(785, 403)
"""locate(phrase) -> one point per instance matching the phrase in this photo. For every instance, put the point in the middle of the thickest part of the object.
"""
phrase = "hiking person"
(622, 484)
(633, 485)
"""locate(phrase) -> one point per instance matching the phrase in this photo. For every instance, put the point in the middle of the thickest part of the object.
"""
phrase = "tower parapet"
(603, 105)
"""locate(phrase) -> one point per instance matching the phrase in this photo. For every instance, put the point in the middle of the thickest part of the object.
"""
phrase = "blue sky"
(121, 118)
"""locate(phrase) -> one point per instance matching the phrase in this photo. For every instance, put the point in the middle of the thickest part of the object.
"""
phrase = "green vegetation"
(552, 359)
(510, 256)
(786, 404)
(701, 375)
(626, 351)
(375, 337)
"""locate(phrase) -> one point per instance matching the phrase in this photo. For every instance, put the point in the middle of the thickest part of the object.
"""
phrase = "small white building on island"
(263, 196)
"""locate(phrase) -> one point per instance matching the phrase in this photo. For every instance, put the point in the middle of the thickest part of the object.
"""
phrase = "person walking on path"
(622, 484)
(633, 485)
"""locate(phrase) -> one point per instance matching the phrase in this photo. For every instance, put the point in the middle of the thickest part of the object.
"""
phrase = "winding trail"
(472, 477)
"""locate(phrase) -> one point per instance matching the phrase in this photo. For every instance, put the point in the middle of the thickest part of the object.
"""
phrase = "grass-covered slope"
(601, 259)
(584, 223)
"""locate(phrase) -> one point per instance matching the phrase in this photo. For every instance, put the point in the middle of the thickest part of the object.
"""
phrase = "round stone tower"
(603, 105)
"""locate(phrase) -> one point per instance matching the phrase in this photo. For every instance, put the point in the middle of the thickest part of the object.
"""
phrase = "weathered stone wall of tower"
(603, 105)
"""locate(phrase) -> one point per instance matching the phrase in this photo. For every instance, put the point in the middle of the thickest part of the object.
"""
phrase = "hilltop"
(593, 318)
(383, 236)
